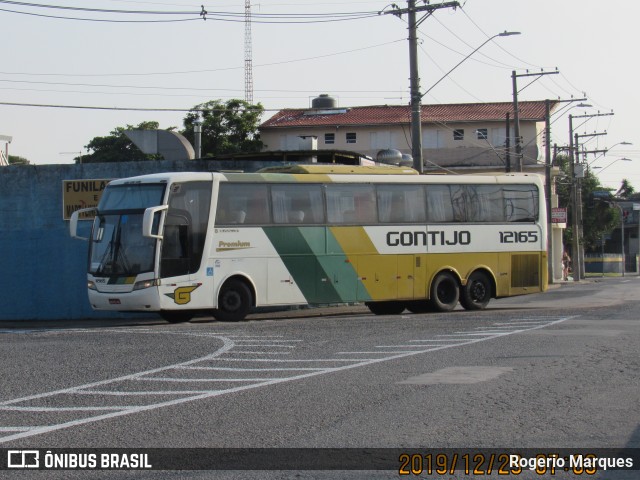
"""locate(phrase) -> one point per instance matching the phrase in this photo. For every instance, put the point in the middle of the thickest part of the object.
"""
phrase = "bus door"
(185, 227)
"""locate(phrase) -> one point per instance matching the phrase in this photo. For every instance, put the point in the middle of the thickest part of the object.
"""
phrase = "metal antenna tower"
(248, 62)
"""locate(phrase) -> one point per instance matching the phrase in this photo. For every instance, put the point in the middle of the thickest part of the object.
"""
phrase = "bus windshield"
(118, 247)
(138, 196)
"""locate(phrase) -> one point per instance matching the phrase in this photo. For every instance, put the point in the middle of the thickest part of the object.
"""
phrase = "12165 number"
(519, 237)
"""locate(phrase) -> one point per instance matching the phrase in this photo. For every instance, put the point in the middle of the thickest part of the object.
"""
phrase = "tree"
(15, 160)
(599, 217)
(116, 147)
(626, 190)
(230, 127)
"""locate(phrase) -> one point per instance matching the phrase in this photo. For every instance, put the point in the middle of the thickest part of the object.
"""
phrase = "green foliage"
(116, 147)
(626, 190)
(599, 217)
(15, 160)
(229, 127)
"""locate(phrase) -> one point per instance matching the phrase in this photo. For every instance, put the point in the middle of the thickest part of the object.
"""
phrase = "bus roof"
(331, 173)
(341, 169)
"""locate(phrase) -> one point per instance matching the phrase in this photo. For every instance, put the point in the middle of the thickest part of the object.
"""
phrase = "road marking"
(145, 392)
(229, 369)
(380, 351)
(264, 345)
(187, 380)
(13, 408)
(24, 431)
(258, 353)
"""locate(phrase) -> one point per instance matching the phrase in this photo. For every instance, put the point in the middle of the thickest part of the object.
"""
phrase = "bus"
(184, 243)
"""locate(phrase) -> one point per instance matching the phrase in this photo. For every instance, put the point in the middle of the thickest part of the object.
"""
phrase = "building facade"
(455, 135)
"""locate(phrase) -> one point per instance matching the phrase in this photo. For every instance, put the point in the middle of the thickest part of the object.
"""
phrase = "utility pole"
(516, 112)
(547, 187)
(576, 198)
(414, 88)
(549, 181)
(507, 146)
(414, 79)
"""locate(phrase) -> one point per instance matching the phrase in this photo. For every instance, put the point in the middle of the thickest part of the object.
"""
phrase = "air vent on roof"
(407, 160)
(389, 156)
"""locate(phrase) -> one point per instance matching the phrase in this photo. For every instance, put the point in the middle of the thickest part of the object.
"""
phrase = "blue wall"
(43, 269)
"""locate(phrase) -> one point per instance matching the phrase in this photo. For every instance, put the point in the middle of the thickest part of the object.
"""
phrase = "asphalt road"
(556, 370)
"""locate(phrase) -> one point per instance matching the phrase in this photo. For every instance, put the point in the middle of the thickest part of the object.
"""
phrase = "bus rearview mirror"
(73, 222)
(148, 222)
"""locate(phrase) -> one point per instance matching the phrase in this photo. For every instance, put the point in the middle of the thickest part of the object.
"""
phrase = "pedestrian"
(566, 265)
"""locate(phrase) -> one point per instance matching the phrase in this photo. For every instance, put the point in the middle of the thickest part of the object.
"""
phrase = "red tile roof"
(400, 114)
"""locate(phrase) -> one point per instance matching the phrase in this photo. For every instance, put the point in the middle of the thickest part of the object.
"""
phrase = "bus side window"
(349, 203)
(245, 204)
(301, 204)
(401, 204)
(440, 204)
(485, 203)
(521, 203)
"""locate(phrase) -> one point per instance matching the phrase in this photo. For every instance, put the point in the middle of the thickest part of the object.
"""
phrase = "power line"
(131, 109)
(57, 17)
(198, 15)
(183, 72)
(100, 10)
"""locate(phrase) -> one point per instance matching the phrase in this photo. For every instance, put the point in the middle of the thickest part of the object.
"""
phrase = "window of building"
(458, 134)
(433, 138)
(329, 138)
(483, 133)
(351, 137)
(382, 140)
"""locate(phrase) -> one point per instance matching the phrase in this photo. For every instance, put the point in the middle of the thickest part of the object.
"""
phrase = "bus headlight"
(91, 285)
(145, 284)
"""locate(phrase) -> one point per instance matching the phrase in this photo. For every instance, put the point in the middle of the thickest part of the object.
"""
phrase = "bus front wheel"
(476, 293)
(234, 302)
(444, 292)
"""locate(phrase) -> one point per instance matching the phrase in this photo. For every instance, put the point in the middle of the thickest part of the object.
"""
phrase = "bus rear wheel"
(476, 293)
(444, 292)
(386, 308)
(234, 302)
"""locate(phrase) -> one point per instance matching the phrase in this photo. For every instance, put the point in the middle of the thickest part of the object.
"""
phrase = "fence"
(610, 263)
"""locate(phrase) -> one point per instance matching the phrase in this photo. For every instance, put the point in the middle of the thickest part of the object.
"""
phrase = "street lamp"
(503, 34)
(616, 160)
(607, 150)
(416, 98)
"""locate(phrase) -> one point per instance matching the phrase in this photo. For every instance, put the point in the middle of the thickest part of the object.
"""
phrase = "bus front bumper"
(145, 300)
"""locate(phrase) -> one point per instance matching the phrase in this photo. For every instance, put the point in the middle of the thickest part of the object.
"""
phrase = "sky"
(132, 61)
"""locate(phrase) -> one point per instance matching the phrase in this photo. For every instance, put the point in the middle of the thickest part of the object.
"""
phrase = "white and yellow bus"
(183, 243)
